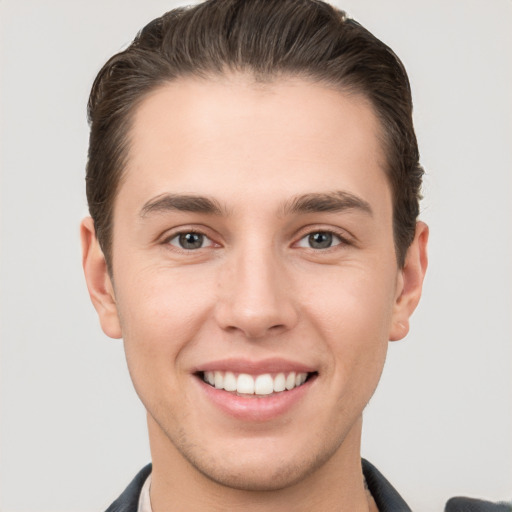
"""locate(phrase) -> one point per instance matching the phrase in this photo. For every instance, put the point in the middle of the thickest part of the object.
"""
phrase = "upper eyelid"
(343, 241)
(341, 233)
(171, 233)
(330, 232)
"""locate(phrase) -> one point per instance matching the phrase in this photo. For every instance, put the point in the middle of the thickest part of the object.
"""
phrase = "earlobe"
(410, 283)
(98, 280)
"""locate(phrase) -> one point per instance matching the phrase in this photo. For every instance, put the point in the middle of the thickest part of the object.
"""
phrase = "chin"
(256, 477)
(262, 470)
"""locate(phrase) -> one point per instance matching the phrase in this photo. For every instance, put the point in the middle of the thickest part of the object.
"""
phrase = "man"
(253, 183)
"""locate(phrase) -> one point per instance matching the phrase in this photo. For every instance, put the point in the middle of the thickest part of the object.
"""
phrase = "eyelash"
(341, 239)
(331, 236)
(177, 236)
(344, 238)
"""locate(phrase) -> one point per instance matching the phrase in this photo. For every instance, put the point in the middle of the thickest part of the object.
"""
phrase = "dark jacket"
(385, 496)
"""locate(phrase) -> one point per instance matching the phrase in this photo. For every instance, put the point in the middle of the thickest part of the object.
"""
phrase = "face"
(255, 280)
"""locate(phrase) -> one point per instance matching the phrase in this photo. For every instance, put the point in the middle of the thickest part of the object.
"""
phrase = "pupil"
(320, 240)
(191, 240)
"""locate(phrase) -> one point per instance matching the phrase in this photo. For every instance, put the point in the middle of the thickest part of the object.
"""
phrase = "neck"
(335, 485)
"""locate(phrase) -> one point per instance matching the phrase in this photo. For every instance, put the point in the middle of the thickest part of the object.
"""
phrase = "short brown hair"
(268, 38)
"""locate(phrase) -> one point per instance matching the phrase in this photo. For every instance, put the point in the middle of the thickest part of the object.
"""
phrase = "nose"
(256, 295)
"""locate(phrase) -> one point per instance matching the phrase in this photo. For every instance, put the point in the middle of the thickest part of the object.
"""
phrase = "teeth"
(263, 385)
(230, 383)
(290, 381)
(246, 384)
(219, 380)
(279, 382)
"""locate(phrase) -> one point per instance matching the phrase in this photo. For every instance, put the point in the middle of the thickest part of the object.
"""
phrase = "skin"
(256, 288)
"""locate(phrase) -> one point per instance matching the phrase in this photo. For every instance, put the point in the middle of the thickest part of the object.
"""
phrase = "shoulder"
(385, 495)
(461, 504)
(388, 499)
(129, 499)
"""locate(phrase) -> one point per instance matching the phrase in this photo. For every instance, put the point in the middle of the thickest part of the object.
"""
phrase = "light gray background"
(72, 430)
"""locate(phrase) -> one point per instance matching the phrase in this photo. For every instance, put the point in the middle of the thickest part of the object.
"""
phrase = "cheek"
(160, 313)
(161, 299)
(354, 316)
(353, 303)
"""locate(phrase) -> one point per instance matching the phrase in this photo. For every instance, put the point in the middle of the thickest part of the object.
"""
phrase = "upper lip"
(237, 365)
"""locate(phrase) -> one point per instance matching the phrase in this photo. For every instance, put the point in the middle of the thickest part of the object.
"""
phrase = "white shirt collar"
(144, 498)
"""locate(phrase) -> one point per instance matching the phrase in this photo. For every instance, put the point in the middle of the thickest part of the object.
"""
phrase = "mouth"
(255, 386)
(255, 392)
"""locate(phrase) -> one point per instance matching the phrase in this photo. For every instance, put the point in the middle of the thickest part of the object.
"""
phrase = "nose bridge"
(255, 292)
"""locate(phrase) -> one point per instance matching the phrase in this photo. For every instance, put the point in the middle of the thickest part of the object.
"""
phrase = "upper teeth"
(246, 384)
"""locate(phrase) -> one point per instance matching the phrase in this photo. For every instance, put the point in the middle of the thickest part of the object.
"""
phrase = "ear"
(98, 280)
(410, 283)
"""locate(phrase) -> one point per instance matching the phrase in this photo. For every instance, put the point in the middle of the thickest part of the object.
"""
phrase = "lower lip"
(256, 408)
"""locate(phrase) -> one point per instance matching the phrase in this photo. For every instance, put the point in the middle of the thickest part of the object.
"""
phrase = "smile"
(264, 384)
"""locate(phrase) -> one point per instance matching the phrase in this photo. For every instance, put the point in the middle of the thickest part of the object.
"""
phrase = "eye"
(320, 240)
(190, 241)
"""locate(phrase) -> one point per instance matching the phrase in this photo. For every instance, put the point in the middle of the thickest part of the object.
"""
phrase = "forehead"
(228, 135)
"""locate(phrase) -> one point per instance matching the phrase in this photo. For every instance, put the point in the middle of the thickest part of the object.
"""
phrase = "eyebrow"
(307, 203)
(327, 202)
(183, 203)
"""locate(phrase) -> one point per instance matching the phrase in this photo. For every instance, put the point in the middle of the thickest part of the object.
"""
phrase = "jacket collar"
(384, 494)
